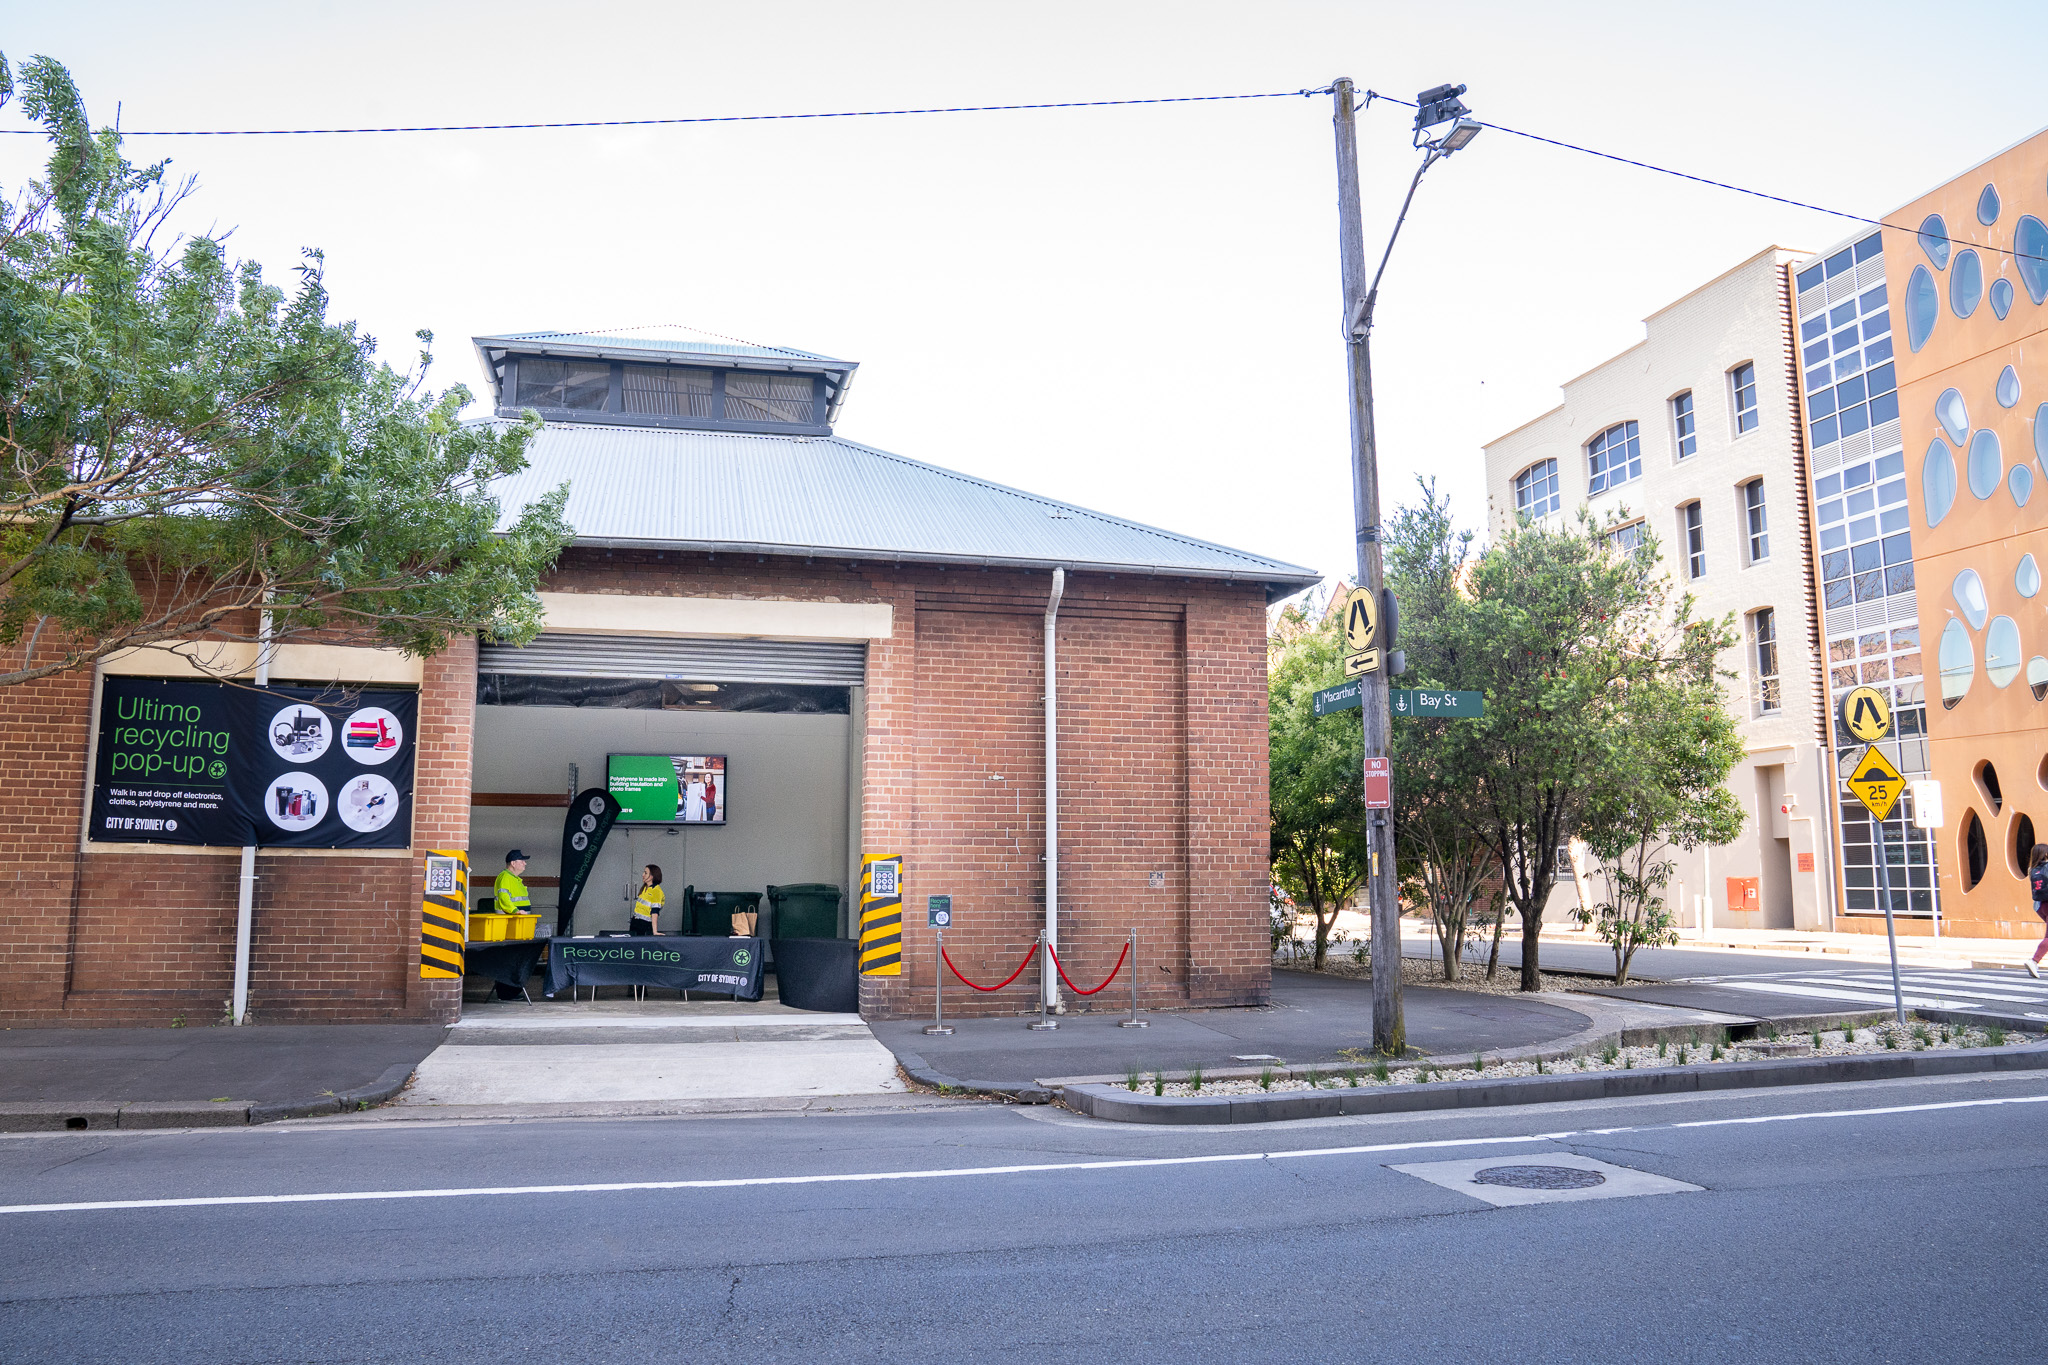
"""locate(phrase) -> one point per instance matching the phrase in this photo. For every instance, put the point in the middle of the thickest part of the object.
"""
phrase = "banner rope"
(1013, 975)
(1105, 981)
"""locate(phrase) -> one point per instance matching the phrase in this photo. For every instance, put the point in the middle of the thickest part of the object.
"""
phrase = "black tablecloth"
(730, 966)
(510, 961)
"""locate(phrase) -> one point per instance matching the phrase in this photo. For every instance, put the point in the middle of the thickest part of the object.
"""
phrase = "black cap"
(515, 856)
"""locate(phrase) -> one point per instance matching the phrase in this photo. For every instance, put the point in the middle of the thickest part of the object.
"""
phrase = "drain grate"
(1539, 1177)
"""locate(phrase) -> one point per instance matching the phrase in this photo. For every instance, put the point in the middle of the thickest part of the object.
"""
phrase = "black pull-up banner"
(591, 816)
(210, 763)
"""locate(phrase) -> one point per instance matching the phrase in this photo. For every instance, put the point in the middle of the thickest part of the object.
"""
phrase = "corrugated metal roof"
(666, 345)
(824, 495)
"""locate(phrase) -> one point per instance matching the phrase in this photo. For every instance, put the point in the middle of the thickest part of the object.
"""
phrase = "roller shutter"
(829, 663)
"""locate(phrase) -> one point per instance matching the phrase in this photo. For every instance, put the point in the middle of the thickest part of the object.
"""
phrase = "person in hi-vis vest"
(647, 909)
(508, 893)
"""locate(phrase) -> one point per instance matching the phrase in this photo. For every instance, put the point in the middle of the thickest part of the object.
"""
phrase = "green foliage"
(1591, 669)
(184, 443)
(1445, 862)
(1133, 1078)
(1266, 1079)
(1318, 838)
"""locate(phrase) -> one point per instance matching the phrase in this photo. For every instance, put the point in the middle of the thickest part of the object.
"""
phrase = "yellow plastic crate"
(519, 926)
(488, 928)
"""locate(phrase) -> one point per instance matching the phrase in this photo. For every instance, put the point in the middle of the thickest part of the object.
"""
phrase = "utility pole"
(1389, 1027)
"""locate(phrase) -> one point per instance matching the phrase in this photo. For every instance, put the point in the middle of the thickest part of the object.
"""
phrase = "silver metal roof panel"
(649, 488)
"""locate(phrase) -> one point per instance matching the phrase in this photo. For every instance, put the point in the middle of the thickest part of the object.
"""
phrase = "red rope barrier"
(1013, 975)
(1105, 981)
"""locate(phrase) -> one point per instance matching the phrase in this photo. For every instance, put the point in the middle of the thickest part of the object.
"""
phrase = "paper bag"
(743, 923)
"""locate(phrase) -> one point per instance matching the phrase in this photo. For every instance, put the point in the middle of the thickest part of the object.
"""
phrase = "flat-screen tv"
(667, 789)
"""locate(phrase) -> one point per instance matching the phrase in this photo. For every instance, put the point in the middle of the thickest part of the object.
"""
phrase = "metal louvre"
(830, 663)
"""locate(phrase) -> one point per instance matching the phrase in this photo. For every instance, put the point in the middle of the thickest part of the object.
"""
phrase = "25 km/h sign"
(1876, 783)
(1867, 714)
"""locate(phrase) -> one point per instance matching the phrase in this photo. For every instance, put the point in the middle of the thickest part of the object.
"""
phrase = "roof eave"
(1289, 579)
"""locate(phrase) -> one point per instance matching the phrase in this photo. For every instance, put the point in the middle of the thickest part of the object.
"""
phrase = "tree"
(1318, 844)
(1577, 642)
(1446, 863)
(184, 445)
(1667, 790)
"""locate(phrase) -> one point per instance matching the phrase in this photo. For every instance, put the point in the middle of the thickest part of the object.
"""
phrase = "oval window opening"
(1958, 661)
(1969, 594)
(2020, 483)
(2022, 852)
(1976, 854)
(1934, 240)
(2002, 653)
(2009, 388)
(2030, 256)
(2037, 677)
(1954, 415)
(1938, 481)
(1966, 284)
(1923, 307)
(2026, 579)
(1987, 206)
(1987, 786)
(1987, 462)
(2000, 295)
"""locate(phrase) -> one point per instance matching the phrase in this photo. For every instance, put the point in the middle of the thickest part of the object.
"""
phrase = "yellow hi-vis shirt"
(508, 894)
(649, 904)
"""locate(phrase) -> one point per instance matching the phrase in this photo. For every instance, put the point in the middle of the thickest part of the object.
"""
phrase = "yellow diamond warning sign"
(1876, 783)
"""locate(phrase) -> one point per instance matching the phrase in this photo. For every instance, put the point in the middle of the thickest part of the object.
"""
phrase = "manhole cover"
(1539, 1177)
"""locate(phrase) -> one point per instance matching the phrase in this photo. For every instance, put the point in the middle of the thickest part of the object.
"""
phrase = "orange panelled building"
(1924, 382)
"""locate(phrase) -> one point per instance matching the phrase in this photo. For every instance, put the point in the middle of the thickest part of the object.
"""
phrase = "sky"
(1135, 309)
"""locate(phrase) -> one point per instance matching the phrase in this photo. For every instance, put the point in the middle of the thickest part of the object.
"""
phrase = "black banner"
(210, 763)
(728, 965)
(591, 817)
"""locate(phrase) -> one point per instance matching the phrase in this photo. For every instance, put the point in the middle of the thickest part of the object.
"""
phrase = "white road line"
(1828, 993)
(955, 1173)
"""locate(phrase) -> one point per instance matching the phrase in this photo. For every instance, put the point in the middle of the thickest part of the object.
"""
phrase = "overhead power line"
(709, 118)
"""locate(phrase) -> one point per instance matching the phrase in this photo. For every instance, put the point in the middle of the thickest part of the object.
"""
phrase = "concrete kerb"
(48, 1116)
(1122, 1106)
(1018, 1092)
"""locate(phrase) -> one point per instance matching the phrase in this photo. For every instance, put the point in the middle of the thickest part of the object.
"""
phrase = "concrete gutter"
(1018, 1092)
(1120, 1105)
(56, 1116)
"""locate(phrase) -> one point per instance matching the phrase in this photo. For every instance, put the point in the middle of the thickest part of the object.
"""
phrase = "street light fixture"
(1432, 108)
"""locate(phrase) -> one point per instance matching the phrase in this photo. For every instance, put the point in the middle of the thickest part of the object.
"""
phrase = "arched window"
(1536, 490)
(1613, 458)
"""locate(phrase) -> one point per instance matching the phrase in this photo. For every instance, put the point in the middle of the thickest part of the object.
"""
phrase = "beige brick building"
(1692, 434)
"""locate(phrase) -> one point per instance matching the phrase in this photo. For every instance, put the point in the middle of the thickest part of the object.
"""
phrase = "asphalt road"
(1882, 1222)
(1653, 963)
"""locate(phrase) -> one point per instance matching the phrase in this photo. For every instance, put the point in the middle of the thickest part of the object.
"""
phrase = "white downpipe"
(1052, 778)
(245, 900)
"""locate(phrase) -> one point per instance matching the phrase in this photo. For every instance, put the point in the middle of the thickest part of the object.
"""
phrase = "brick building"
(860, 636)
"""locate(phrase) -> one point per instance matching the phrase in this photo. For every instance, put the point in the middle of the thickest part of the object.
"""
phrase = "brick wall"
(1163, 745)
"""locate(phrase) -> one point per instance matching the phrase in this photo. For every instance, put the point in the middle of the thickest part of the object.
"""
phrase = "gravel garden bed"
(1417, 971)
(1886, 1037)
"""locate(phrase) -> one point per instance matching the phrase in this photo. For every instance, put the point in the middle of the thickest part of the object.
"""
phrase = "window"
(1755, 521)
(668, 391)
(1683, 427)
(768, 397)
(1614, 457)
(1743, 377)
(1628, 539)
(1695, 527)
(583, 385)
(1536, 490)
(1763, 660)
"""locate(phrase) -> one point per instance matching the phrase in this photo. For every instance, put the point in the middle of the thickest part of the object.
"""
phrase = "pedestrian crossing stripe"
(881, 914)
(443, 910)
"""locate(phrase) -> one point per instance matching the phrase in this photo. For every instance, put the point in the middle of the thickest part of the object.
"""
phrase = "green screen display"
(668, 789)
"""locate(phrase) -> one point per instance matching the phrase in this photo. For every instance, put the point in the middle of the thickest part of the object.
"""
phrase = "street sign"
(938, 912)
(1379, 783)
(1342, 697)
(1355, 664)
(1876, 783)
(1926, 804)
(1431, 701)
(1361, 621)
(1867, 714)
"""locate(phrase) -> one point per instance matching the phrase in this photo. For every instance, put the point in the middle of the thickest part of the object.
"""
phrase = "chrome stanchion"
(1045, 1019)
(1134, 1021)
(938, 1026)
